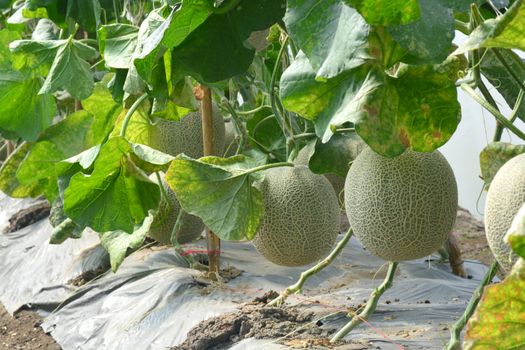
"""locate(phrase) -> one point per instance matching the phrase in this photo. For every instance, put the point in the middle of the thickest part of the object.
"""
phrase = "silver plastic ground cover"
(155, 299)
(34, 273)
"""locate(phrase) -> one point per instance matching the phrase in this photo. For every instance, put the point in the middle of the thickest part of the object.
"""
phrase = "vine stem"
(273, 99)
(214, 243)
(455, 332)
(370, 305)
(499, 117)
(130, 112)
(508, 68)
(268, 166)
(305, 275)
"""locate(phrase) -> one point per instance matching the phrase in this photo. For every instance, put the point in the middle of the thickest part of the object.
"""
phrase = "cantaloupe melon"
(401, 208)
(505, 197)
(185, 135)
(301, 216)
(163, 223)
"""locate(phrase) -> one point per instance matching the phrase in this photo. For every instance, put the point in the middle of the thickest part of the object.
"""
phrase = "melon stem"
(370, 306)
(455, 332)
(130, 113)
(305, 275)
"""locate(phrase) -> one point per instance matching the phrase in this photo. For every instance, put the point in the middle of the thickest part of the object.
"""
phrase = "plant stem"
(268, 166)
(305, 275)
(261, 107)
(214, 243)
(130, 112)
(499, 117)
(240, 133)
(455, 332)
(462, 27)
(273, 99)
(370, 305)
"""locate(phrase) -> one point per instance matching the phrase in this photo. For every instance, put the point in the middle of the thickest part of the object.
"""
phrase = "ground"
(23, 331)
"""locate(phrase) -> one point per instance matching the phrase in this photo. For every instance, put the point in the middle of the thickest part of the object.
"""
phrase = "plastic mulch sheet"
(154, 299)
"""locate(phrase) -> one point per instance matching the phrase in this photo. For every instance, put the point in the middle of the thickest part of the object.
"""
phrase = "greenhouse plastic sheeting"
(154, 300)
(34, 273)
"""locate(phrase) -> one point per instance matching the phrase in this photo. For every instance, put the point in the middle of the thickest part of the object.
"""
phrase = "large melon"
(301, 216)
(506, 196)
(163, 223)
(401, 208)
(185, 135)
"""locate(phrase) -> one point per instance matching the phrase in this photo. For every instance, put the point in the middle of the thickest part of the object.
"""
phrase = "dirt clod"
(28, 216)
(87, 276)
(256, 320)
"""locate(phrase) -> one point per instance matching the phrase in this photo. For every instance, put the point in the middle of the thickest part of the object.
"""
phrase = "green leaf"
(515, 237)
(429, 39)
(417, 109)
(265, 133)
(500, 78)
(220, 192)
(118, 242)
(498, 322)
(66, 229)
(117, 44)
(215, 50)
(6, 37)
(505, 31)
(105, 110)
(70, 71)
(86, 13)
(494, 156)
(180, 23)
(332, 35)
(60, 141)
(45, 30)
(387, 12)
(336, 155)
(115, 196)
(35, 55)
(23, 112)
(9, 184)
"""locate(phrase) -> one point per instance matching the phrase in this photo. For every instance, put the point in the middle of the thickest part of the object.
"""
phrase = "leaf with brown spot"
(499, 320)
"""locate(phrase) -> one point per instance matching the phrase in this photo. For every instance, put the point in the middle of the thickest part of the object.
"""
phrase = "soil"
(87, 276)
(470, 234)
(23, 332)
(292, 326)
(28, 216)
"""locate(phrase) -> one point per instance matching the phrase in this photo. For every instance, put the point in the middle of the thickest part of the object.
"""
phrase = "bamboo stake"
(214, 243)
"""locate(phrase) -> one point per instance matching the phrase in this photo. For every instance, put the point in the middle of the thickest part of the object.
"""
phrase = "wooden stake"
(214, 243)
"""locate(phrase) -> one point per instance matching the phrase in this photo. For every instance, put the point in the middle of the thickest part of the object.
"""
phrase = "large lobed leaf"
(118, 242)
(499, 320)
(118, 194)
(415, 109)
(220, 192)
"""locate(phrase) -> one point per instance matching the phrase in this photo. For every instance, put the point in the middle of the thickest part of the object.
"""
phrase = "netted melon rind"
(162, 226)
(505, 197)
(185, 135)
(301, 217)
(401, 208)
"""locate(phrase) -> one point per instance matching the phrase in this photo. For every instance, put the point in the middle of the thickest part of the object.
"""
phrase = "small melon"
(163, 223)
(505, 197)
(185, 135)
(301, 216)
(401, 208)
